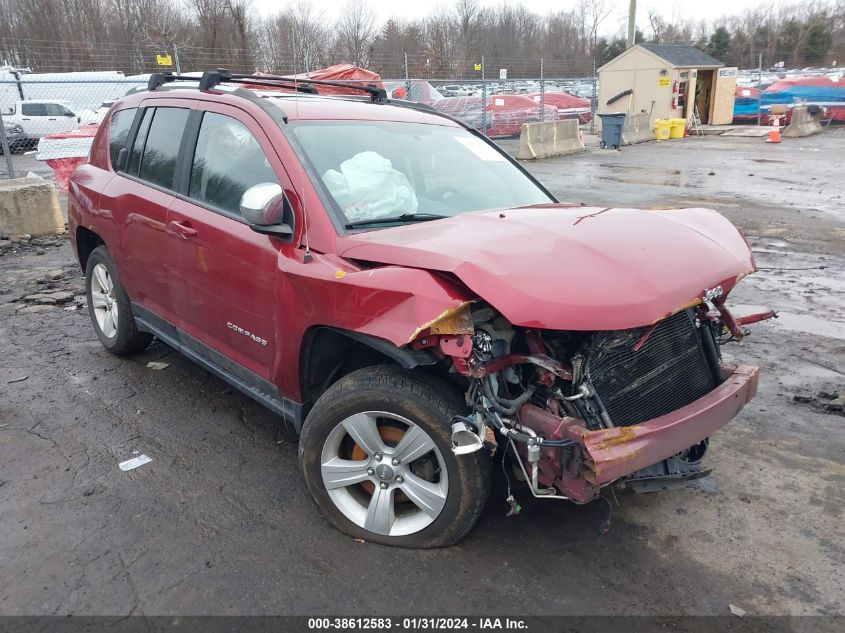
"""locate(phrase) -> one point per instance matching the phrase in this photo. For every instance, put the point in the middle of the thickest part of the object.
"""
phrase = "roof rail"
(211, 78)
(159, 79)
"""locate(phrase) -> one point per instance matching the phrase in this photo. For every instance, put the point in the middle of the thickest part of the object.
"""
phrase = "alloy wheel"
(104, 300)
(384, 473)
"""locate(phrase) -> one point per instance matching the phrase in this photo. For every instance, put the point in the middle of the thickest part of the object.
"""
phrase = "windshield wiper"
(394, 219)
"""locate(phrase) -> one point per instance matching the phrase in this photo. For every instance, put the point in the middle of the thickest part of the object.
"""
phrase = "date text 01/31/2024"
(416, 623)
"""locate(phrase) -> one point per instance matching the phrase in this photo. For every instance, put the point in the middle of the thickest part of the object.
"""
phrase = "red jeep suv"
(408, 297)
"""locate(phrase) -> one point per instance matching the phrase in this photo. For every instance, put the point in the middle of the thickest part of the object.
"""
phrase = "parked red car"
(568, 106)
(407, 295)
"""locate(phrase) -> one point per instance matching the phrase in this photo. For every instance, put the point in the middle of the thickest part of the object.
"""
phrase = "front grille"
(669, 371)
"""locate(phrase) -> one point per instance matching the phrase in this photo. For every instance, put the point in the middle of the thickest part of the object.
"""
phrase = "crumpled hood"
(571, 268)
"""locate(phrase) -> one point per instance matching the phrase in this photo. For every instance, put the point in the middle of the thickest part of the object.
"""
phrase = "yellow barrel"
(677, 128)
(662, 129)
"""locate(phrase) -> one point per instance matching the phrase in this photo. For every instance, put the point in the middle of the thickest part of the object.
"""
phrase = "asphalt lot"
(220, 521)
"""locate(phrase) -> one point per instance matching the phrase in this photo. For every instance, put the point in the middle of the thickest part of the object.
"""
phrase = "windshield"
(385, 169)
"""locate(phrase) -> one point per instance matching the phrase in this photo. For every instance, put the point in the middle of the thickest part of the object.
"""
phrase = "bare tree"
(64, 35)
(594, 13)
(356, 30)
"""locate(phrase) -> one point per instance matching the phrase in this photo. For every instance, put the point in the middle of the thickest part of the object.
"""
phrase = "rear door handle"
(184, 229)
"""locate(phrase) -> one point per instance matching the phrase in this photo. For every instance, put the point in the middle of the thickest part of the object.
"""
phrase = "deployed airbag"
(368, 187)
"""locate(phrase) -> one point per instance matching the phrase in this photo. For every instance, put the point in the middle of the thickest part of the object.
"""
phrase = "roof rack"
(211, 78)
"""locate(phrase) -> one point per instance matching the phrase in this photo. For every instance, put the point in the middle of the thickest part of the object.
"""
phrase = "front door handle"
(184, 229)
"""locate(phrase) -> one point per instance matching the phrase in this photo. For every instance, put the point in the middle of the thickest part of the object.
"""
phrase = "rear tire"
(377, 458)
(109, 306)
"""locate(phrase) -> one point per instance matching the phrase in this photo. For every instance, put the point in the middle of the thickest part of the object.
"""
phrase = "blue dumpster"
(611, 129)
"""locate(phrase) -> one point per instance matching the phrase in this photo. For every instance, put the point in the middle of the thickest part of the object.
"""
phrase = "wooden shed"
(668, 81)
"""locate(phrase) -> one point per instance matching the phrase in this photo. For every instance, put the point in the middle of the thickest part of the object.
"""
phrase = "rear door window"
(158, 159)
(227, 162)
(121, 124)
(34, 109)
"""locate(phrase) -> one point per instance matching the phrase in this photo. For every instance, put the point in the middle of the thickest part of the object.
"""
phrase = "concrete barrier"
(637, 128)
(803, 123)
(549, 138)
(29, 206)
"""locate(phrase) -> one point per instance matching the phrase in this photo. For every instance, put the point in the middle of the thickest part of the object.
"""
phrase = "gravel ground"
(220, 521)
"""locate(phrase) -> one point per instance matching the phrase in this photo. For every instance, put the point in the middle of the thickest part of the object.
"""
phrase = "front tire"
(109, 306)
(377, 458)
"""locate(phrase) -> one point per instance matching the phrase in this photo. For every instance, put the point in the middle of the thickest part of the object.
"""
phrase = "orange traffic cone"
(774, 133)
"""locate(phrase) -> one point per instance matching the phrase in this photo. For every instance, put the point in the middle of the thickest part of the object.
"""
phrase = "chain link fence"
(53, 119)
(50, 110)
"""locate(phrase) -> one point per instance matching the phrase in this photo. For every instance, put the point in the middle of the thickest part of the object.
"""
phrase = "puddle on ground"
(678, 180)
(773, 251)
(800, 375)
(641, 169)
(796, 322)
(640, 175)
(829, 282)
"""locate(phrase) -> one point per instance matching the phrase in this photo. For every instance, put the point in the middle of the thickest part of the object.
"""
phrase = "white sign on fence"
(503, 73)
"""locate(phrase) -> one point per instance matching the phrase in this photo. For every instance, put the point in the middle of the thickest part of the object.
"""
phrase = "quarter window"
(227, 162)
(121, 123)
(140, 139)
(158, 160)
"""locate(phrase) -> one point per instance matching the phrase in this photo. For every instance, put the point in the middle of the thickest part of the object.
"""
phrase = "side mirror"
(263, 206)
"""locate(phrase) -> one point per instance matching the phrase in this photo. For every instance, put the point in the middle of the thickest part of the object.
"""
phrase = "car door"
(224, 277)
(60, 118)
(34, 119)
(139, 197)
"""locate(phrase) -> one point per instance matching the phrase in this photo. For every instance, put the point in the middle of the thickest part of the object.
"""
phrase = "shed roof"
(683, 55)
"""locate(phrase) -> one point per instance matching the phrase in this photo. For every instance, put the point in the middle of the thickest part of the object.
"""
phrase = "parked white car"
(40, 117)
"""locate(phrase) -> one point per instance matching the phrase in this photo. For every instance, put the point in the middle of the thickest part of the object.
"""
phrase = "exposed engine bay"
(576, 411)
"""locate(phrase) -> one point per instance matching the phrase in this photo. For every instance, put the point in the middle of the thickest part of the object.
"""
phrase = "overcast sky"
(616, 22)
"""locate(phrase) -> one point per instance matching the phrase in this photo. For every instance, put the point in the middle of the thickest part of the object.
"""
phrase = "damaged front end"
(579, 410)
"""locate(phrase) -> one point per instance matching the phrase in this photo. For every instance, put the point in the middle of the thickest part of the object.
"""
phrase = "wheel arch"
(329, 353)
(86, 241)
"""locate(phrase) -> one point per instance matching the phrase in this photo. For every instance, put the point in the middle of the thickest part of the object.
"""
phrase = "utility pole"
(632, 23)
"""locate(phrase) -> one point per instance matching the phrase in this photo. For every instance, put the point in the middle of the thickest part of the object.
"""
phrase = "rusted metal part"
(547, 425)
(645, 337)
(756, 318)
(536, 346)
(540, 360)
(728, 319)
(684, 306)
(456, 346)
(606, 455)
(613, 453)
(457, 320)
